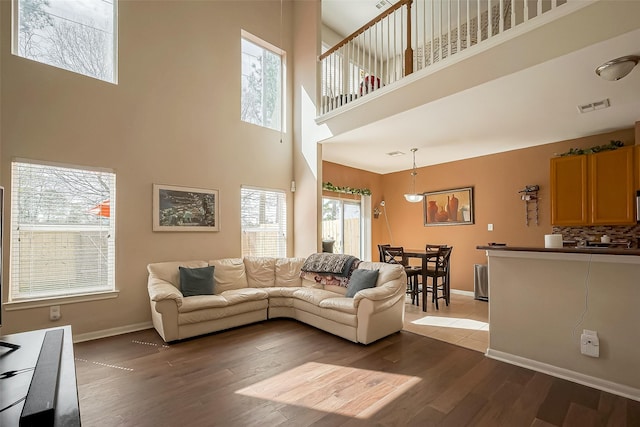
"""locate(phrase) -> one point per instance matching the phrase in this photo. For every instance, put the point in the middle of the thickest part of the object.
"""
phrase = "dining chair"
(440, 273)
(395, 255)
(381, 251)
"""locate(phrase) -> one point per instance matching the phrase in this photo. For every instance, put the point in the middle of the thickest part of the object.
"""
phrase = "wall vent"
(383, 4)
(598, 105)
(395, 153)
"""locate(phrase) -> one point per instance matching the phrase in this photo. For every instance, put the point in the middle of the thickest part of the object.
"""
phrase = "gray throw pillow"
(361, 279)
(196, 281)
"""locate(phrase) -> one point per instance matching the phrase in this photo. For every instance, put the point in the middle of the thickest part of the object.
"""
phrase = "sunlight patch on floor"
(451, 322)
(343, 390)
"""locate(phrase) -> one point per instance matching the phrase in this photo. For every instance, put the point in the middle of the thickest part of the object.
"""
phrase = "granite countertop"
(584, 250)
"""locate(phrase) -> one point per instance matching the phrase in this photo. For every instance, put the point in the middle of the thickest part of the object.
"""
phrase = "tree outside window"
(74, 35)
(261, 102)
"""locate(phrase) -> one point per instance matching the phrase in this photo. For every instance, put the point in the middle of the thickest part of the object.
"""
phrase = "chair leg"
(424, 296)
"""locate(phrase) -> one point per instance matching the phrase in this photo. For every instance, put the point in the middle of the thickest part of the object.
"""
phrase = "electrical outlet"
(589, 343)
(489, 227)
(54, 312)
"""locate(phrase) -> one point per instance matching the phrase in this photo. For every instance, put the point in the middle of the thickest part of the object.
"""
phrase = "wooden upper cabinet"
(569, 202)
(594, 189)
(612, 187)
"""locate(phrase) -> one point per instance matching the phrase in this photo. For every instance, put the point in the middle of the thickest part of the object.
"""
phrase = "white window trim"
(34, 302)
(15, 24)
(283, 74)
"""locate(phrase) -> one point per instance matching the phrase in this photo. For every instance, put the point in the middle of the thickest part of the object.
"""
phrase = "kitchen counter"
(566, 250)
(541, 299)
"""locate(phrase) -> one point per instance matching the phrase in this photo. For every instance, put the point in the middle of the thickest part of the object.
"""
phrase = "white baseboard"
(576, 377)
(459, 292)
(111, 332)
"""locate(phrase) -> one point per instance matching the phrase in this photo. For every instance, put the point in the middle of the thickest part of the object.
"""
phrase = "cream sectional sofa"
(255, 289)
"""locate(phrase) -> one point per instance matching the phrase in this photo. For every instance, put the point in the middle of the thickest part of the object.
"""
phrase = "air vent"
(395, 153)
(598, 105)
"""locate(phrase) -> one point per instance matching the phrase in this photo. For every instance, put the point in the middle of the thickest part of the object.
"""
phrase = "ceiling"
(536, 105)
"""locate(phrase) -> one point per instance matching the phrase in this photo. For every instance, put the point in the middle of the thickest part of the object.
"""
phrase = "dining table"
(424, 255)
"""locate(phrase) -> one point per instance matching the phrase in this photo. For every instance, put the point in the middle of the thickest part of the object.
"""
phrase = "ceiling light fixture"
(617, 68)
(413, 197)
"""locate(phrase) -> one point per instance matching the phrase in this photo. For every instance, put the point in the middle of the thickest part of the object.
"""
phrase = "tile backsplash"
(630, 233)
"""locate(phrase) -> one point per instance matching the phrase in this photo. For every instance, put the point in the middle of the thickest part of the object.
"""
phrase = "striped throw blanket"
(336, 264)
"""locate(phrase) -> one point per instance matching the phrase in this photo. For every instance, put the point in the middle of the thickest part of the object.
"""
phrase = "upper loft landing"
(419, 51)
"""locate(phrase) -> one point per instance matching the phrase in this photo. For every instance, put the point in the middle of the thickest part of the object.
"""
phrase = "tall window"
(62, 231)
(262, 77)
(264, 222)
(75, 35)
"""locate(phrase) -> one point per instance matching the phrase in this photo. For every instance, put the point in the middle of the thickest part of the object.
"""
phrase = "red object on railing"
(102, 209)
(369, 84)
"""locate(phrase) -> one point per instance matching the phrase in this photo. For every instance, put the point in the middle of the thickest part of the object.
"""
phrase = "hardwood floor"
(284, 373)
(465, 322)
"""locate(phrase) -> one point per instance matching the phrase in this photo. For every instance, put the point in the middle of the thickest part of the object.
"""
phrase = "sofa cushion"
(229, 274)
(238, 296)
(281, 291)
(201, 302)
(196, 281)
(261, 271)
(386, 272)
(288, 271)
(169, 272)
(313, 296)
(361, 279)
(217, 313)
(346, 305)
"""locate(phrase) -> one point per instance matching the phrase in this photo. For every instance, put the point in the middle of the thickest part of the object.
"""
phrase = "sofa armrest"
(160, 290)
(379, 293)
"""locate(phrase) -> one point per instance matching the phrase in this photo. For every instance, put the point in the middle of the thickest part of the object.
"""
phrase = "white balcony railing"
(413, 35)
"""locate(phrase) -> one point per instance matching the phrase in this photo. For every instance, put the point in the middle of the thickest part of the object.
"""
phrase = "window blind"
(264, 222)
(62, 231)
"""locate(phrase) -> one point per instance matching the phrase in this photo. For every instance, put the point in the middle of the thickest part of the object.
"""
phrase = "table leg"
(424, 283)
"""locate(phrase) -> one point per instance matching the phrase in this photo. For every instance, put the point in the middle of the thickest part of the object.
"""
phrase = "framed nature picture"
(448, 207)
(185, 209)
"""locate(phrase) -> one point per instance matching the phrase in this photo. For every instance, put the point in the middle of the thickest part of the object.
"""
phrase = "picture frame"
(178, 208)
(448, 207)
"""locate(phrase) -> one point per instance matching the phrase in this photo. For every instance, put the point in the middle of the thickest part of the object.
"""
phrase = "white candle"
(553, 240)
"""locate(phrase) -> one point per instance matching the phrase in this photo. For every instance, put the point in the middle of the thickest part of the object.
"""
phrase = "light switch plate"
(489, 227)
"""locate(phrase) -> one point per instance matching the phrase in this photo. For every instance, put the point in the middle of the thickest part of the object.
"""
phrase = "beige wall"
(537, 318)
(496, 180)
(307, 156)
(173, 119)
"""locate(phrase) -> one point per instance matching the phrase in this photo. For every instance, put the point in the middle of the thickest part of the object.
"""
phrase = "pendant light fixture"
(413, 197)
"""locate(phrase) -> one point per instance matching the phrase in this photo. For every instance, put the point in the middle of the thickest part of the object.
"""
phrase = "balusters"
(412, 35)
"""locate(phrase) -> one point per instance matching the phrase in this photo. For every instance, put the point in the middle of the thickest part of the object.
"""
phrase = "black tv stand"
(24, 363)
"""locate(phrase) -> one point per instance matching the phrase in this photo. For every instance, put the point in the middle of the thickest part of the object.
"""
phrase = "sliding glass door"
(342, 225)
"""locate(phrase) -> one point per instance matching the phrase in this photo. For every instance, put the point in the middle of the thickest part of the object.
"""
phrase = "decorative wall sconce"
(377, 211)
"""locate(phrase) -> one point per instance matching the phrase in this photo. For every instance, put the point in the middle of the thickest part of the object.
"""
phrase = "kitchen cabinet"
(594, 189)
(569, 201)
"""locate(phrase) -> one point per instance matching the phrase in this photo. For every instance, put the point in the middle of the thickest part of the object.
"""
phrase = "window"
(264, 222)
(262, 77)
(78, 36)
(342, 225)
(62, 231)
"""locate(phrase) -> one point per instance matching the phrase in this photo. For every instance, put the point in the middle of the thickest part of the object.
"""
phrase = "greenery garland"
(361, 191)
(613, 145)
